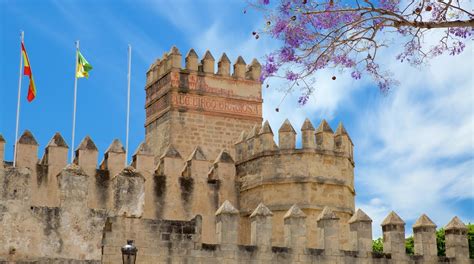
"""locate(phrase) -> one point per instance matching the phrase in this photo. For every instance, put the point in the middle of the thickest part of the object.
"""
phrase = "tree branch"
(429, 25)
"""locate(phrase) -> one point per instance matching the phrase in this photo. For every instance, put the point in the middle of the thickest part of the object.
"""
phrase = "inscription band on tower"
(162, 98)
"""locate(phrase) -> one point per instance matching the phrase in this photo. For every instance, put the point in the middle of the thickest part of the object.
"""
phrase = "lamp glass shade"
(129, 253)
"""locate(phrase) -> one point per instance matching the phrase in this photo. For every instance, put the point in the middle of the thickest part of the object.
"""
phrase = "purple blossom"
(384, 85)
(457, 48)
(356, 74)
(313, 39)
(294, 36)
(410, 53)
(343, 61)
(391, 5)
(303, 99)
(287, 54)
(436, 12)
(285, 8)
(279, 27)
(291, 76)
(461, 32)
(372, 68)
(437, 50)
(268, 68)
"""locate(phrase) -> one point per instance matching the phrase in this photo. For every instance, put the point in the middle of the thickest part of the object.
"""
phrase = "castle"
(208, 185)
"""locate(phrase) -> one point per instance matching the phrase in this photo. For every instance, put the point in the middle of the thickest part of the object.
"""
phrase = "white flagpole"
(22, 36)
(75, 96)
(128, 101)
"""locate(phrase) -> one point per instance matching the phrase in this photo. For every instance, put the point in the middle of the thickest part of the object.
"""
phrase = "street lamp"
(129, 253)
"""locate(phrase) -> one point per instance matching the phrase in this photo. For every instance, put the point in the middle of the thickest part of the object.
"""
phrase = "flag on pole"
(83, 67)
(27, 72)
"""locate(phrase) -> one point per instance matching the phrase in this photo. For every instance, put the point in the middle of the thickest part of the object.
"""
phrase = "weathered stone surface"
(27, 138)
(171, 152)
(324, 127)
(174, 51)
(455, 224)
(71, 231)
(197, 154)
(392, 219)
(57, 141)
(254, 132)
(87, 144)
(326, 214)
(116, 147)
(240, 61)
(143, 149)
(224, 58)
(294, 212)
(424, 221)
(226, 208)
(266, 129)
(129, 193)
(286, 127)
(307, 125)
(360, 216)
(261, 210)
(224, 157)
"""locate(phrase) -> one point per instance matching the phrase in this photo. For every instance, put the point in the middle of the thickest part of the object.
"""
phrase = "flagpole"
(22, 37)
(74, 111)
(128, 101)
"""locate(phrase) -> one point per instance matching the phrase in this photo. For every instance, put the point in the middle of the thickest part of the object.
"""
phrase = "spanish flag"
(83, 67)
(27, 71)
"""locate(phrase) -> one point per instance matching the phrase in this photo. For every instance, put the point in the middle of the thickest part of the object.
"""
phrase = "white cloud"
(417, 145)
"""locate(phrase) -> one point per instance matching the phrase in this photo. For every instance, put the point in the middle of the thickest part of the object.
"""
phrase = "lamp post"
(129, 253)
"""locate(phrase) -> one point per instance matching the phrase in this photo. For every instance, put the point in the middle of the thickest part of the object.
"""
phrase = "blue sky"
(413, 147)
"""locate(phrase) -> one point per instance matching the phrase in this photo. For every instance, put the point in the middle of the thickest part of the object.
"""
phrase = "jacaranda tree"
(349, 35)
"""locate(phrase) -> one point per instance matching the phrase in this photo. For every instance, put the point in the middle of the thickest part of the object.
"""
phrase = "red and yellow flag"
(27, 71)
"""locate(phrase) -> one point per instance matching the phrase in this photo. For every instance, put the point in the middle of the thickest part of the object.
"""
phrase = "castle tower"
(200, 105)
(318, 175)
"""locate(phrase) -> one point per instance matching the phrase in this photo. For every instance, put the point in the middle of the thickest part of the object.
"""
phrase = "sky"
(413, 146)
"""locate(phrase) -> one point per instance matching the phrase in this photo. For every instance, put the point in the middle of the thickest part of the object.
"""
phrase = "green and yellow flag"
(83, 67)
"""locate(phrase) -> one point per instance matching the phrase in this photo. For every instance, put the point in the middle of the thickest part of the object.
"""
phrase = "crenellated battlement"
(171, 61)
(259, 141)
(188, 246)
(43, 183)
(86, 155)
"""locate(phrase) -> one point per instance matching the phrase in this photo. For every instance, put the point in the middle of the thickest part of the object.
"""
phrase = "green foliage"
(377, 245)
(410, 245)
(470, 237)
(440, 242)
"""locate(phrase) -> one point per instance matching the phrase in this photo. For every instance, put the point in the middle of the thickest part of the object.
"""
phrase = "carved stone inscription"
(197, 83)
(215, 104)
(204, 103)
